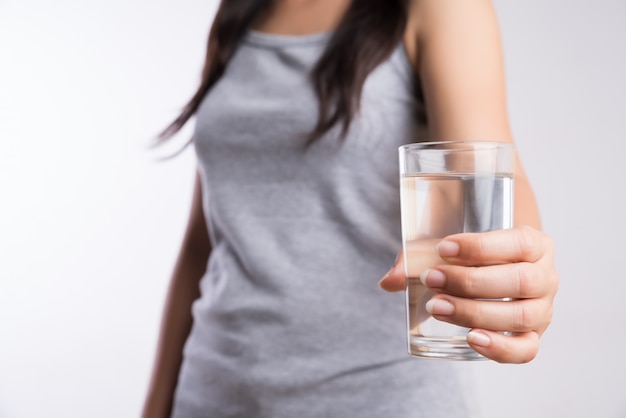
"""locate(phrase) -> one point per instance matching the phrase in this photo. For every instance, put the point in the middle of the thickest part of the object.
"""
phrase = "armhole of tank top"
(411, 70)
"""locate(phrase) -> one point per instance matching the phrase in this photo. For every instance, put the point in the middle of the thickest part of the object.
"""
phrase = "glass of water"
(448, 188)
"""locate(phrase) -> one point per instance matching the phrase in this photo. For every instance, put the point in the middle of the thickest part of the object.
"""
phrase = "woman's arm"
(176, 322)
(455, 48)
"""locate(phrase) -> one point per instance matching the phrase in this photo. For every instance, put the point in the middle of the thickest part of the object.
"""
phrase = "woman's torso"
(291, 321)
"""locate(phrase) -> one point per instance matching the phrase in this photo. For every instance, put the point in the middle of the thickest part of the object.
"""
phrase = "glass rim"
(434, 145)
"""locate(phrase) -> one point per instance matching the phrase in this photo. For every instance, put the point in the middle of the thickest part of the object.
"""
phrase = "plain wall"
(90, 222)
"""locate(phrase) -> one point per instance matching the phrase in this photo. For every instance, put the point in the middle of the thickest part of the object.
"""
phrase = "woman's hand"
(514, 263)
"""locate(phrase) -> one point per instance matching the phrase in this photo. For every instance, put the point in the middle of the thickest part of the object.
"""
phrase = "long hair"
(366, 36)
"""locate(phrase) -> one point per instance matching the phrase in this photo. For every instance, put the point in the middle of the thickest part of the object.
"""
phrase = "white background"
(90, 223)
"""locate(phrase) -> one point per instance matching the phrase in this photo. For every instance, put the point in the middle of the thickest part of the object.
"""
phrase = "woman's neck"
(301, 17)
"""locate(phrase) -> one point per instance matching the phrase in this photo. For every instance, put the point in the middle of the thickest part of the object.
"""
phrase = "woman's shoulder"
(448, 22)
(434, 16)
(456, 49)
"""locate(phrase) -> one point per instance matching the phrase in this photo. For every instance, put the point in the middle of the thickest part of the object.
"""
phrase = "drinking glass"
(448, 188)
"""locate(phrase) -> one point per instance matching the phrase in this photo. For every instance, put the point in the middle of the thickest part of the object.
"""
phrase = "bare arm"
(456, 49)
(176, 321)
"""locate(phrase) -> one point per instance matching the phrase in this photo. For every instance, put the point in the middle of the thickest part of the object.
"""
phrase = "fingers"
(516, 280)
(522, 244)
(421, 255)
(518, 348)
(488, 319)
(515, 316)
(467, 271)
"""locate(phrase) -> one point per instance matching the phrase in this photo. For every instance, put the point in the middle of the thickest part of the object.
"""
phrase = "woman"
(300, 112)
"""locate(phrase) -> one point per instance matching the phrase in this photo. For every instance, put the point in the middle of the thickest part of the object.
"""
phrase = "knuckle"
(554, 282)
(467, 312)
(547, 318)
(525, 279)
(480, 243)
(473, 245)
(471, 281)
(526, 242)
(523, 317)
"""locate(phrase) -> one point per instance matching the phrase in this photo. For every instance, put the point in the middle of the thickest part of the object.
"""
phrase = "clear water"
(434, 206)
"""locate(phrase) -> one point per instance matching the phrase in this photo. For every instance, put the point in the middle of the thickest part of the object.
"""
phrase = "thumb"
(394, 280)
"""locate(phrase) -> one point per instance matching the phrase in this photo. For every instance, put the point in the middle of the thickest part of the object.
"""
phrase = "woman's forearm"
(177, 320)
(175, 326)
(526, 211)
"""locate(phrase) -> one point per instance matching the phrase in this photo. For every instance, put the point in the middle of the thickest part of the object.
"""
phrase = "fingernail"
(439, 307)
(448, 249)
(433, 278)
(478, 338)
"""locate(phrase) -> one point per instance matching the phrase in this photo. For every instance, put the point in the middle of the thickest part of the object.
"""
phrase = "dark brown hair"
(365, 37)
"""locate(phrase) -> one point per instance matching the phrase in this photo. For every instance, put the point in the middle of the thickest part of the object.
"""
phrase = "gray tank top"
(291, 321)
